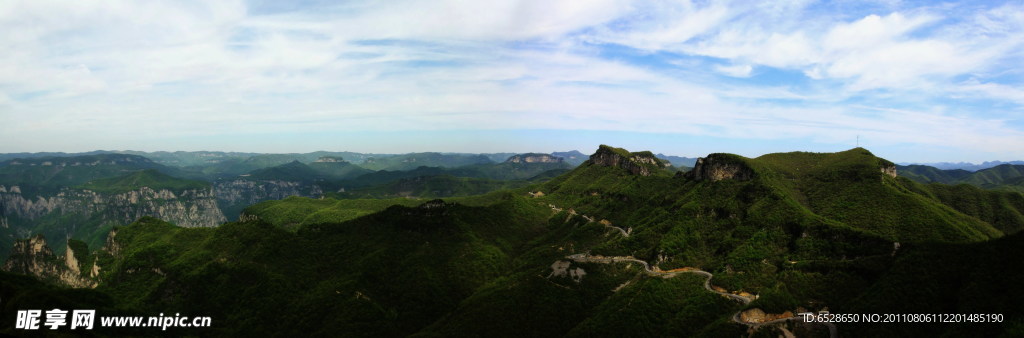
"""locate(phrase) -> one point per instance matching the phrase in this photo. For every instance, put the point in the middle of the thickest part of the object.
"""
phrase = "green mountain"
(1002, 175)
(966, 279)
(47, 175)
(339, 169)
(1008, 177)
(619, 246)
(415, 160)
(573, 157)
(431, 187)
(679, 161)
(926, 174)
(150, 178)
(11, 156)
(505, 171)
(389, 273)
(292, 171)
(82, 197)
(189, 158)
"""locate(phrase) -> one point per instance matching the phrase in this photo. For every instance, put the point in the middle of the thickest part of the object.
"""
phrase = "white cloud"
(662, 25)
(895, 51)
(158, 69)
(973, 87)
(735, 70)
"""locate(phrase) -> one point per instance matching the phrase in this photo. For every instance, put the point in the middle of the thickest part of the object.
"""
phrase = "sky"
(911, 81)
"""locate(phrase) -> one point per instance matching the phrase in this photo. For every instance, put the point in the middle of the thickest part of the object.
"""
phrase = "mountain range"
(621, 245)
(965, 165)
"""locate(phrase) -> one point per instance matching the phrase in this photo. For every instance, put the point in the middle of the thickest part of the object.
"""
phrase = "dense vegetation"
(414, 160)
(47, 175)
(1009, 177)
(389, 273)
(149, 178)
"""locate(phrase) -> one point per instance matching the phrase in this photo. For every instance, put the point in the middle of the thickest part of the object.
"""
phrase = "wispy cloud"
(83, 75)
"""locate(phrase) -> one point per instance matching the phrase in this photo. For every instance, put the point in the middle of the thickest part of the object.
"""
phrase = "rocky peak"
(717, 167)
(33, 257)
(534, 158)
(29, 256)
(640, 163)
(111, 246)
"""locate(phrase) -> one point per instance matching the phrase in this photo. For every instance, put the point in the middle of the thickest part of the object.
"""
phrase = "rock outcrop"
(534, 158)
(756, 315)
(888, 169)
(562, 269)
(188, 208)
(717, 167)
(33, 257)
(248, 192)
(639, 163)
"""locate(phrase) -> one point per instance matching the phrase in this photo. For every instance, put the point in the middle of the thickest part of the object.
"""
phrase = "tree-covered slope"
(389, 273)
(960, 279)
(149, 178)
(47, 175)
(338, 170)
(1008, 177)
(415, 160)
(928, 174)
(431, 187)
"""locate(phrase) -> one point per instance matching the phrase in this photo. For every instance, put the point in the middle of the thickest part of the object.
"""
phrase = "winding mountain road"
(606, 223)
(587, 258)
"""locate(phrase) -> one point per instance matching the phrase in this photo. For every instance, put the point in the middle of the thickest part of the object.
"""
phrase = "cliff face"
(642, 163)
(534, 158)
(888, 169)
(717, 167)
(248, 192)
(33, 257)
(190, 208)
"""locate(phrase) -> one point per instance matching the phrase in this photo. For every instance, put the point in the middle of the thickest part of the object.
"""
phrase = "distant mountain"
(82, 197)
(1003, 177)
(438, 186)
(234, 166)
(213, 165)
(498, 157)
(965, 165)
(149, 178)
(573, 157)
(47, 175)
(534, 158)
(995, 176)
(292, 171)
(928, 174)
(491, 171)
(679, 161)
(189, 158)
(415, 160)
(338, 170)
(252, 160)
(9, 156)
(277, 182)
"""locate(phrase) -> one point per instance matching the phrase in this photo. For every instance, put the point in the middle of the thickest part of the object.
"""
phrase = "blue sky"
(917, 81)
